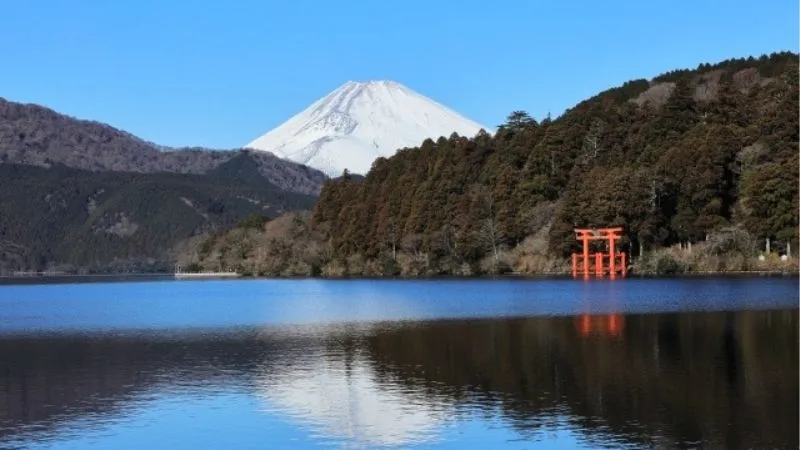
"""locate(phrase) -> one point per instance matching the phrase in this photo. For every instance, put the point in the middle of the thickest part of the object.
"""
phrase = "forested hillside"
(706, 156)
(69, 219)
(82, 195)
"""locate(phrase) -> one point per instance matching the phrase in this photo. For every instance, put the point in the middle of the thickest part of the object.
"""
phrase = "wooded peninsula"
(700, 168)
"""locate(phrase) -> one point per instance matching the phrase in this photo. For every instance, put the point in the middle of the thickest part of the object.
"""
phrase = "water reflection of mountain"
(728, 379)
(337, 393)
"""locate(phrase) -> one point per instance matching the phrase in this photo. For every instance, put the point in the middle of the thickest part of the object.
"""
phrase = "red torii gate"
(581, 262)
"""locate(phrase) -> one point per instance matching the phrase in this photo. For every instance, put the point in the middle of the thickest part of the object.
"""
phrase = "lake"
(634, 363)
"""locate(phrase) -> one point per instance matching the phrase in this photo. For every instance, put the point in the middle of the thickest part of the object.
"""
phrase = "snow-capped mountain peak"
(359, 122)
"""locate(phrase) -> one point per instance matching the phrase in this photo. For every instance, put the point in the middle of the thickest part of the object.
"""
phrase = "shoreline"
(41, 279)
(59, 278)
(206, 275)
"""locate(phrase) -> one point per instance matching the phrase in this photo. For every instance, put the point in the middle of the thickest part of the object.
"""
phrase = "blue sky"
(219, 74)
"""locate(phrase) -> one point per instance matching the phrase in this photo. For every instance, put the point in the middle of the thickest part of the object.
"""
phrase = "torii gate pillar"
(581, 263)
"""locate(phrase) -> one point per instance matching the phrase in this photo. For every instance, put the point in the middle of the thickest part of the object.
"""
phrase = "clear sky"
(219, 74)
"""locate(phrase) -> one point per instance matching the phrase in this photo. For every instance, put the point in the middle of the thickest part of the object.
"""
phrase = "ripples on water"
(716, 379)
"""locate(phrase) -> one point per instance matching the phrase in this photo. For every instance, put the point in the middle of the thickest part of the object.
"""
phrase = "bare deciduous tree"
(483, 198)
(592, 143)
(392, 235)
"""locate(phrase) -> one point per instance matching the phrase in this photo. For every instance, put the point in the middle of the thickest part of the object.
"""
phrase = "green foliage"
(767, 66)
(519, 119)
(96, 220)
(770, 197)
(668, 173)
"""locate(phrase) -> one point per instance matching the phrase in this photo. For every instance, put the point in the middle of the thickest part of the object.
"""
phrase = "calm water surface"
(662, 363)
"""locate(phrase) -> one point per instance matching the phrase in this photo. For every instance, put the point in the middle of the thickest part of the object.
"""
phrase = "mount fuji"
(359, 122)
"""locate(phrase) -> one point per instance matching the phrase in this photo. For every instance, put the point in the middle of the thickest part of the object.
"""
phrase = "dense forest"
(528, 366)
(69, 220)
(703, 159)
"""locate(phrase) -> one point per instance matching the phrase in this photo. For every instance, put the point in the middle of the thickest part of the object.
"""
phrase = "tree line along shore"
(700, 168)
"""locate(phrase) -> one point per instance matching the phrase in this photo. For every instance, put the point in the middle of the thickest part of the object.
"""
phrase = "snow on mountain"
(359, 122)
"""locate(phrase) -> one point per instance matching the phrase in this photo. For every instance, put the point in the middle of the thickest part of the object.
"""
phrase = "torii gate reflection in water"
(582, 262)
(603, 325)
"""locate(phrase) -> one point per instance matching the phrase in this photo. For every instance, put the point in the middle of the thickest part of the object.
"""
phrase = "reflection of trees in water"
(728, 379)
(46, 381)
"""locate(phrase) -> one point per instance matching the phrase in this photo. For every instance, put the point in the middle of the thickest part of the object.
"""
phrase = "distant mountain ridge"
(359, 122)
(35, 135)
(82, 195)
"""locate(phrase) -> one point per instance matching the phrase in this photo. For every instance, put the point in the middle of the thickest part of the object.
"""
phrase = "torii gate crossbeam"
(582, 262)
